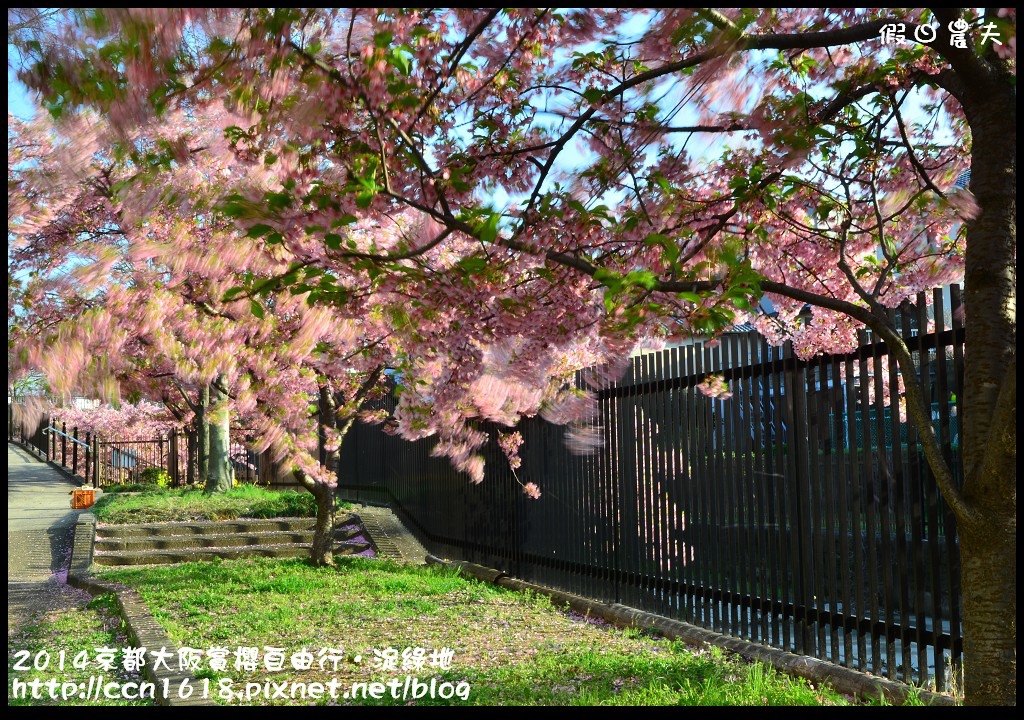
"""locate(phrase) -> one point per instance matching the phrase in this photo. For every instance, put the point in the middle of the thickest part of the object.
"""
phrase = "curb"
(843, 680)
(143, 629)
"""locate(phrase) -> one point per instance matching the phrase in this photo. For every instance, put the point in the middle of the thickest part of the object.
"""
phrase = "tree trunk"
(988, 535)
(203, 435)
(988, 573)
(322, 551)
(220, 478)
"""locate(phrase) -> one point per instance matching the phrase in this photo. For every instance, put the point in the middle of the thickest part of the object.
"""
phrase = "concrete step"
(212, 527)
(219, 539)
(164, 557)
(176, 542)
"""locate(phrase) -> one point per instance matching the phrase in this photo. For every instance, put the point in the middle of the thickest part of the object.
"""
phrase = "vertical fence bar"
(857, 485)
(761, 509)
(172, 457)
(192, 440)
(949, 522)
(727, 478)
(88, 457)
(939, 610)
(822, 479)
(74, 451)
(96, 461)
(805, 524)
(665, 591)
(736, 492)
(871, 501)
(882, 504)
(689, 459)
(791, 482)
(63, 444)
(701, 482)
(916, 474)
(843, 457)
(822, 510)
(716, 475)
(673, 497)
(899, 505)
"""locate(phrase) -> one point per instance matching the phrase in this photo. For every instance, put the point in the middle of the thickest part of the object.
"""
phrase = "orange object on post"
(82, 498)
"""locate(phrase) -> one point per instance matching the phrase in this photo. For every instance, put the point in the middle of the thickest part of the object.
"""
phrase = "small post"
(96, 461)
(192, 455)
(88, 454)
(172, 457)
(74, 452)
(63, 444)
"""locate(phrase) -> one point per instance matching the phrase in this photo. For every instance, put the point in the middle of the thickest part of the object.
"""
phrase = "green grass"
(182, 504)
(68, 632)
(508, 648)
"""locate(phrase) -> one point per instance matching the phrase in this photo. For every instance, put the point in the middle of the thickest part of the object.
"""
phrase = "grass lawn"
(51, 647)
(507, 648)
(152, 504)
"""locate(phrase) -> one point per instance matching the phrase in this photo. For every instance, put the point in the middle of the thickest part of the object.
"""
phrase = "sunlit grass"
(509, 648)
(55, 643)
(179, 504)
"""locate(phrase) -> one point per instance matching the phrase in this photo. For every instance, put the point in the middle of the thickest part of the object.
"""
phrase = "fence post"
(88, 454)
(96, 461)
(192, 440)
(172, 458)
(74, 452)
(63, 444)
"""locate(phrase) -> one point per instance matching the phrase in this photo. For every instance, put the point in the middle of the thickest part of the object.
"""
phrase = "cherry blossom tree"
(512, 194)
(166, 306)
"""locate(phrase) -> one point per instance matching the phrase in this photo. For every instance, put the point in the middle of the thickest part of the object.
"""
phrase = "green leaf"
(333, 241)
(364, 199)
(400, 61)
(472, 265)
(232, 293)
(644, 278)
(256, 308)
(489, 231)
(258, 230)
(278, 200)
(344, 220)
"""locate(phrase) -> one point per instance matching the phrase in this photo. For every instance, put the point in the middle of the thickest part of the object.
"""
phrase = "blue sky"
(18, 101)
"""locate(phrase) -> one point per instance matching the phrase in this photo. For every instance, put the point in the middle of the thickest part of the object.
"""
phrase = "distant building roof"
(742, 328)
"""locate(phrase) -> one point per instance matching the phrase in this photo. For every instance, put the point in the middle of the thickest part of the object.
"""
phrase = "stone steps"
(208, 526)
(166, 543)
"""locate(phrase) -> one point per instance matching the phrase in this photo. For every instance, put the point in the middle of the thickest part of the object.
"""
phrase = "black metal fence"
(799, 513)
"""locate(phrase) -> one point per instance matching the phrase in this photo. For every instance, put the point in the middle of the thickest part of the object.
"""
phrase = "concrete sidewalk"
(40, 523)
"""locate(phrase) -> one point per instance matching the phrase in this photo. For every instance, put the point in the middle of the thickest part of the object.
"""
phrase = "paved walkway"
(392, 538)
(40, 523)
